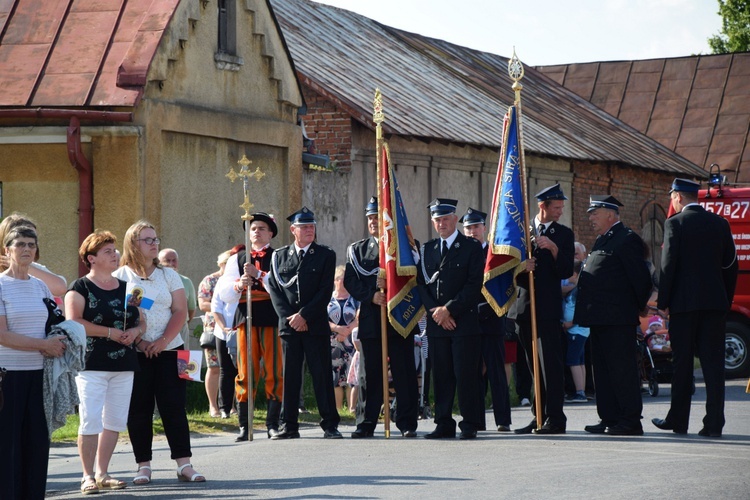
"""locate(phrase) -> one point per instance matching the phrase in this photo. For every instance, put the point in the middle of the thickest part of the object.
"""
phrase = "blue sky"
(556, 31)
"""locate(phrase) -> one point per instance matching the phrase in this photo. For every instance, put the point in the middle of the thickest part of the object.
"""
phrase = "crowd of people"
(303, 310)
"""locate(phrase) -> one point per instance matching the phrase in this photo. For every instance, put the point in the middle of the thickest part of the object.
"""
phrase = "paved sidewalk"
(496, 465)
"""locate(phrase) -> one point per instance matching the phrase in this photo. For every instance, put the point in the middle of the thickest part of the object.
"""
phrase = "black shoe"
(526, 430)
(707, 433)
(332, 434)
(242, 435)
(549, 429)
(624, 430)
(666, 426)
(409, 434)
(599, 428)
(440, 434)
(468, 435)
(304, 410)
(285, 434)
(362, 433)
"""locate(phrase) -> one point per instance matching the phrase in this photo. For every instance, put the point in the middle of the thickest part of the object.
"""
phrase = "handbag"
(207, 339)
(54, 315)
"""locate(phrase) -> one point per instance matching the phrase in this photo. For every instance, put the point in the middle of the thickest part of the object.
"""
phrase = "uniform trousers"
(158, 380)
(493, 355)
(316, 349)
(265, 346)
(552, 366)
(697, 333)
(24, 439)
(618, 384)
(404, 372)
(456, 364)
(227, 374)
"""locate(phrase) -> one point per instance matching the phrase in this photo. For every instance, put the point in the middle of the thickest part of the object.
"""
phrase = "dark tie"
(301, 255)
(541, 229)
(445, 249)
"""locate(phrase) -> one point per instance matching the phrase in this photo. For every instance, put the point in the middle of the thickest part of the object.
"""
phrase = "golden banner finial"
(377, 108)
(245, 174)
(515, 71)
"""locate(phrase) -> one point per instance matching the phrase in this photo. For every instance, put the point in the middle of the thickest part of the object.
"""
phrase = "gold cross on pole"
(245, 174)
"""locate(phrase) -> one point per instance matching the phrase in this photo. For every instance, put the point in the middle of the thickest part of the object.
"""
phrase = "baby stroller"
(655, 353)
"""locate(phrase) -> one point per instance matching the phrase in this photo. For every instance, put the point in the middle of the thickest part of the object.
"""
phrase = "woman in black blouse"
(97, 301)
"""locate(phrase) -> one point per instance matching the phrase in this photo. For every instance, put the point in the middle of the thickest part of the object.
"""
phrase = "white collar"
(537, 222)
(297, 249)
(450, 239)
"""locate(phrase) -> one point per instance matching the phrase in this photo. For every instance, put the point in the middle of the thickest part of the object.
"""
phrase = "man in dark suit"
(613, 289)
(300, 285)
(450, 285)
(493, 335)
(361, 281)
(552, 262)
(696, 288)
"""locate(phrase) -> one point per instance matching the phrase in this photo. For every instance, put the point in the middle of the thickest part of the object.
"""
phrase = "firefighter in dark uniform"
(300, 285)
(696, 288)
(450, 283)
(361, 281)
(553, 262)
(493, 334)
(613, 290)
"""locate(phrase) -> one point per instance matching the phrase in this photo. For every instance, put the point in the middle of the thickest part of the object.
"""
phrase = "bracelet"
(109, 333)
(138, 342)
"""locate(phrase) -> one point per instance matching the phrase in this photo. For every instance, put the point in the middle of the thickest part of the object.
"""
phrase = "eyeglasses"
(150, 241)
(23, 244)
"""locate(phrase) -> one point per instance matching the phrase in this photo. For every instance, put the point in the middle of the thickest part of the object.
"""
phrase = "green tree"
(735, 28)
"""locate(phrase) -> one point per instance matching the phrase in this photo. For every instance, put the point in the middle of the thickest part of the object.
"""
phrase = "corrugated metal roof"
(71, 53)
(698, 106)
(440, 91)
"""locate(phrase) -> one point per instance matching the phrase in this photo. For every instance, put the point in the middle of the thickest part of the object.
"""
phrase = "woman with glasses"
(157, 356)
(24, 439)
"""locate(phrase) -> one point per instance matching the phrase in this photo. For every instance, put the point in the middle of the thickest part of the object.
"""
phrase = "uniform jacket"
(263, 311)
(698, 262)
(547, 276)
(309, 287)
(457, 285)
(615, 283)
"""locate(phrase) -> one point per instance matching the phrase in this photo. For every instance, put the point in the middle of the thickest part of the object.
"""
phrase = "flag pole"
(378, 117)
(515, 70)
(247, 218)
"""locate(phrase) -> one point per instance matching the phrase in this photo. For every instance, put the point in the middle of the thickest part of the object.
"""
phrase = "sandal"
(109, 483)
(195, 478)
(143, 478)
(88, 486)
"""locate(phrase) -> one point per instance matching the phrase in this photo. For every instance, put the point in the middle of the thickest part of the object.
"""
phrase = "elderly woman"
(24, 440)
(205, 294)
(342, 317)
(97, 301)
(56, 284)
(157, 378)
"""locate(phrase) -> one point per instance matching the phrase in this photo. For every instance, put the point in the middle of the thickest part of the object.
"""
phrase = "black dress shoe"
(707, 433)
(242, 435)
(526, 430)
(666, 426)
(409, 434)
(332, 434)
(599, 428)
(362, 433)
(624, 430)
(549, 429)
(439, 434)
(468, 435)
(285, 434)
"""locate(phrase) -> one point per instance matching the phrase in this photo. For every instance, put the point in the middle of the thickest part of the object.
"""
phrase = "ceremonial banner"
(507, 238)
(398, 263)
(189, 365)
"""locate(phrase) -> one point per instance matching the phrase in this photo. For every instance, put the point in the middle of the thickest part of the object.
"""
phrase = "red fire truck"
(733, 203)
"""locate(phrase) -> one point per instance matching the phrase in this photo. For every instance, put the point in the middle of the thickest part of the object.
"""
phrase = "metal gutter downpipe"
(85, 185)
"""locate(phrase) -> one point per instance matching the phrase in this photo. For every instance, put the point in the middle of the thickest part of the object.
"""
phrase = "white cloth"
(158, 287)
(25, 314)
(227, 311)
(105, 400)
(60, 393)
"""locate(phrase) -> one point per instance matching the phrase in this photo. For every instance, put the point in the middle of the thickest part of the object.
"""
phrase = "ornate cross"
(245, 174)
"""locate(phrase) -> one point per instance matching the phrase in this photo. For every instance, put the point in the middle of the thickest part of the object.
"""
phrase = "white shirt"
(25, 314)
(449, 240)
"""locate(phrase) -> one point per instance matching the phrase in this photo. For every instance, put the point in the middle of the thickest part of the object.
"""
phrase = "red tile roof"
(435, 90)
(78, 53)
(698, 106)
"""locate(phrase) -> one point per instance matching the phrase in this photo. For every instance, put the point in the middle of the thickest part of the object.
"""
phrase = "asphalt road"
(496, 465)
